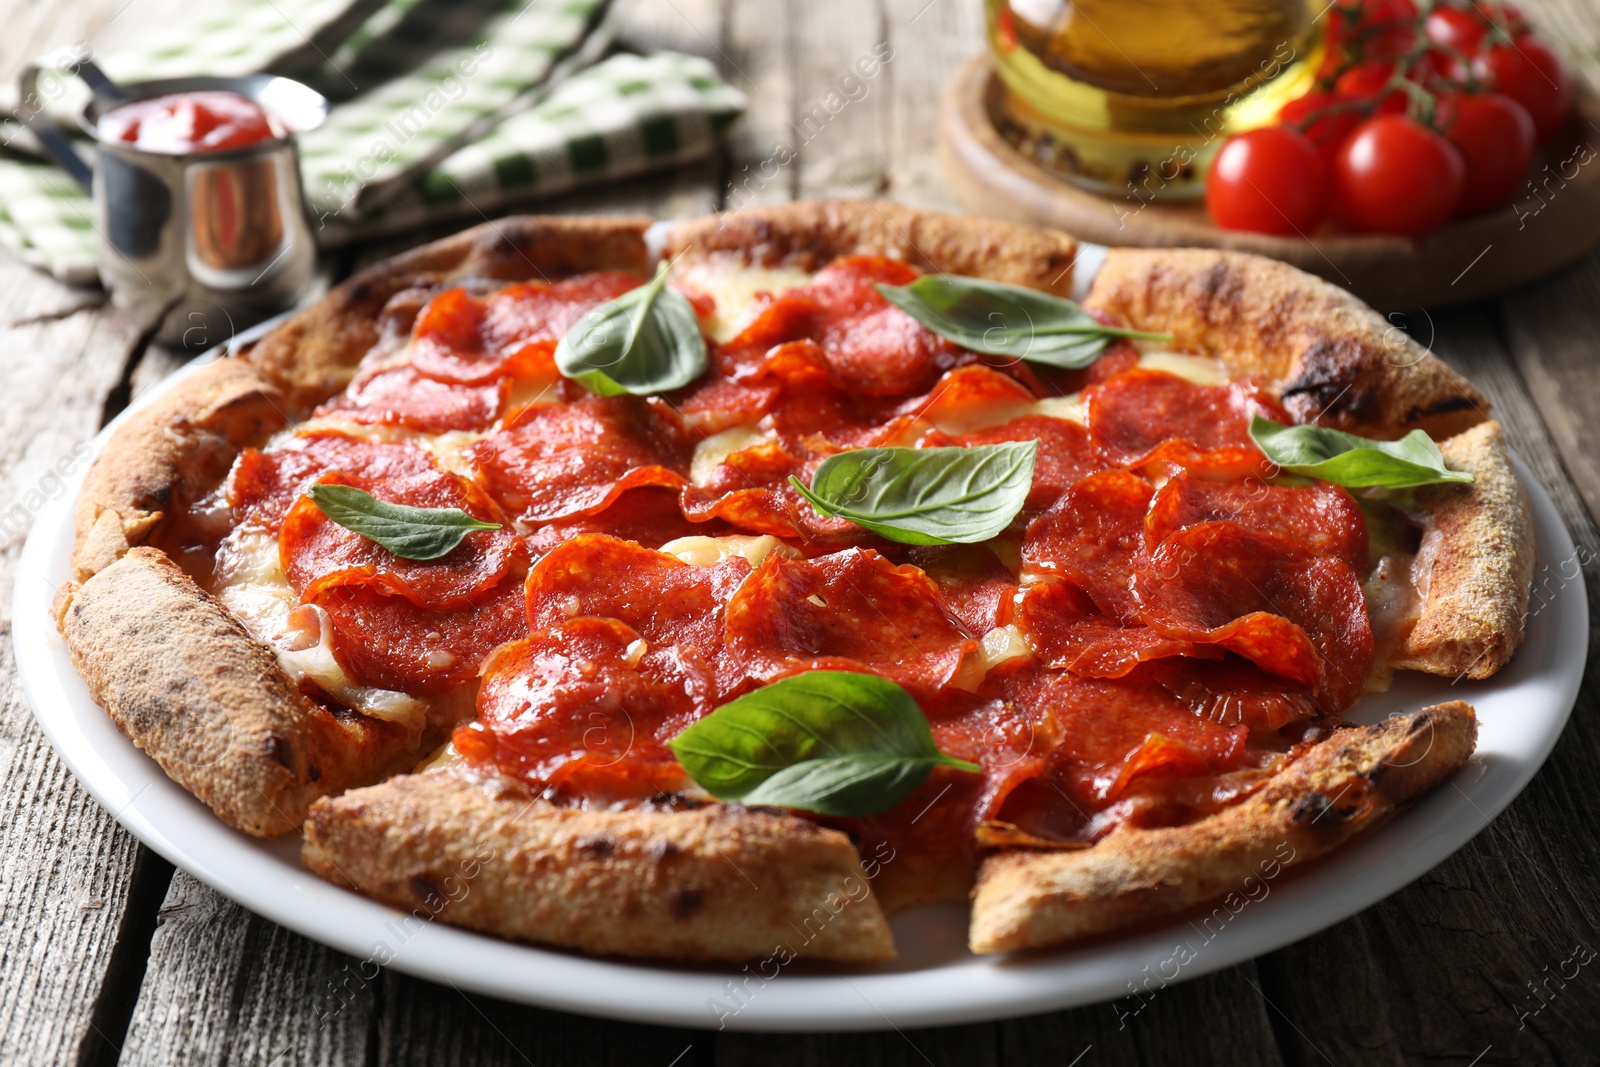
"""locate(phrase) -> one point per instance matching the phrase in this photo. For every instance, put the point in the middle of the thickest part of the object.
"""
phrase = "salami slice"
(1134, 412)
(1065, 629)
(402, 397)
(462, 338)
(390, 642)
(556, 461)
(264, 485)
(662, 599)
(318, 553)
(1319, 516)
(1094, 537)
(1291, 613)
(852, 610)
(588, 707)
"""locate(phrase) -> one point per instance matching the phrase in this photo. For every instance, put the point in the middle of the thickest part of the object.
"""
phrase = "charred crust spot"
(663, 850)
(598, 846)
(424, 885)
(1309, 808)
(279, 749)
(685, 902)
(361, 291)
(313, 773)
(1440, 407)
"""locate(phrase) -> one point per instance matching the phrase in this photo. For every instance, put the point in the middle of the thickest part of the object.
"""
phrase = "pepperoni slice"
(264, 485)
(586, 707)
(750, 490)
(870, 347)
(1291, 613)
(649, 516)
(1067, 454)
(661, 598)
(966, 397)
(389, 642)
(1232, 691)
(561, 460)
(1094, 537)
(1322, 517)
(402, 397)
(318, 553)
(1139, 409)
(1229, 463)
(1065, 630)
(461, 338)
(852, 610)
(976, 586)
(1113, 733)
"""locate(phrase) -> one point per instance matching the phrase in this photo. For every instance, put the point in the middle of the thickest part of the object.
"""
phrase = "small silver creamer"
(197, 244)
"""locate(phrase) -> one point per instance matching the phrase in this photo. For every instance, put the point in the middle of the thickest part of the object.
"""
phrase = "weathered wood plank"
(1551, 329)
(1219, 1018)
(931, 38)
(68, 875)
(763, 146)
(425, 1024)
(224, 986)
(841, 116)
(1442, 970)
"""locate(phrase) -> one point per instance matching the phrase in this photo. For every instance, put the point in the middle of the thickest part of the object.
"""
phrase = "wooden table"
(106, 953)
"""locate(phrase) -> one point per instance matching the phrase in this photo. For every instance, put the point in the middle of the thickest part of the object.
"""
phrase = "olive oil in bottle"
(1134, 97)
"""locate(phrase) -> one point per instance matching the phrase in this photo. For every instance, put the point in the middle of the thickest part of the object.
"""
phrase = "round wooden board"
(1556, 220)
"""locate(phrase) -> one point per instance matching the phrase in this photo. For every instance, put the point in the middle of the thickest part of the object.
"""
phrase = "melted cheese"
(1201, 370)
(1001, 644)
(252, 585)
(710, 551)
(710, 453)
(736, 287)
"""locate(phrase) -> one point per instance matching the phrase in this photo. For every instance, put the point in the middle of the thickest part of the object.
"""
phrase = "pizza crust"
(1475, 565)
(1331, 358)
(810, 234)
(1341, 787)
(699, 883)
(169, 456)
(188, 684)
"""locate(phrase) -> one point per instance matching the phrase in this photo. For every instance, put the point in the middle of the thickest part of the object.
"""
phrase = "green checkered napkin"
(443, 109)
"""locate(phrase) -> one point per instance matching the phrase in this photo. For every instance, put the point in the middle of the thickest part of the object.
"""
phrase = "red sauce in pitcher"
(206, 121)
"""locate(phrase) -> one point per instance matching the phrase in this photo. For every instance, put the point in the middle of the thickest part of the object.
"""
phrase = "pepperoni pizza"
(508, 572)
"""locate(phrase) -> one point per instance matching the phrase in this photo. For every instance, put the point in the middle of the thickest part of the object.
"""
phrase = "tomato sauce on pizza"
(1166, 618)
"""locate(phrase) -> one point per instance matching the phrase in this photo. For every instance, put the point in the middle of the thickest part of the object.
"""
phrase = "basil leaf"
(926, 496)
(830, 742)
(1007, 320)
(410, 533)
(645, 341)
(1351, 461)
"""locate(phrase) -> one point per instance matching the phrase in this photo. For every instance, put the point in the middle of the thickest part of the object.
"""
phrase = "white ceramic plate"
(1521, 713)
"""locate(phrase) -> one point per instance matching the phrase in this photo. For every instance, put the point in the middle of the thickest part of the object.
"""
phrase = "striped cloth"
(442, 109)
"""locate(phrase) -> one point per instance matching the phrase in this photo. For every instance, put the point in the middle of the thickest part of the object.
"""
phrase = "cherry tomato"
(1269, 180)
(1328, 131)
(1494, 135)
(1394, 176)
(1366, 80)
(1456, 28)
(1533, 76)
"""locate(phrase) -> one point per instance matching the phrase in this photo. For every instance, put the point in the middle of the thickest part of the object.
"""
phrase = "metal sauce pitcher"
(201, 243)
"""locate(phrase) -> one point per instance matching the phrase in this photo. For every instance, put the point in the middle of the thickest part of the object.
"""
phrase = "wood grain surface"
(108, 956)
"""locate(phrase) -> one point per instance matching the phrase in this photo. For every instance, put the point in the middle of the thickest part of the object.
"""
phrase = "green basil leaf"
(830, 742)
(1007, 320)
(926, 496)
(645, 341)
(410, 533)
(1351, 461)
